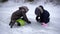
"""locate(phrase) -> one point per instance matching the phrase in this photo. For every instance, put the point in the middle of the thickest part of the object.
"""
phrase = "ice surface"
(6, 9)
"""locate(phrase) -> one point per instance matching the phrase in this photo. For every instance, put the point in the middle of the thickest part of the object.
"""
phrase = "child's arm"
(25, 17)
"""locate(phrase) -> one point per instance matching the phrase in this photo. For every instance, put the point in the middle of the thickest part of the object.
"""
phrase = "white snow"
(6, 9)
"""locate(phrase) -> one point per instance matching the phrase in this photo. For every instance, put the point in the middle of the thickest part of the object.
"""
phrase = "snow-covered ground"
(6, 9)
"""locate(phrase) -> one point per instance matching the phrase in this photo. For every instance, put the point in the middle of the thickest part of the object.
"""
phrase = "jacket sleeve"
(25, 17)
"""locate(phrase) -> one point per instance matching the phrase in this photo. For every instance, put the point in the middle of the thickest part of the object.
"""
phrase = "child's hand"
(29, 22)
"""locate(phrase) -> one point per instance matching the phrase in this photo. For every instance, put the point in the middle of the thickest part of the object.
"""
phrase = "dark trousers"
(12, 22)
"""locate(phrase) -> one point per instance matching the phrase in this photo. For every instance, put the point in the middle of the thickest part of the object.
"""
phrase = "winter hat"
(24, 8)
(41, 10)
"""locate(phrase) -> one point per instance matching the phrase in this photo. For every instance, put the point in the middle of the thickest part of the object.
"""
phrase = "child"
(21, 13)
(42, 15)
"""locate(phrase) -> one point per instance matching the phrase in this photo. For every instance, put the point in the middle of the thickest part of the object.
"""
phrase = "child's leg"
(44, 22)
(12, 23)
(47, 20)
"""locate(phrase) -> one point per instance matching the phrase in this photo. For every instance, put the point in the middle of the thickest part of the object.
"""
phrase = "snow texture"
(7, 8)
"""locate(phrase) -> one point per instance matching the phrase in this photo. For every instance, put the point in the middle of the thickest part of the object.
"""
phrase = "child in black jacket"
(42, 15)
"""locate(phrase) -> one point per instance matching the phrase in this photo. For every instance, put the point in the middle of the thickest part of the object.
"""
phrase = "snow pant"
(12, 22)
